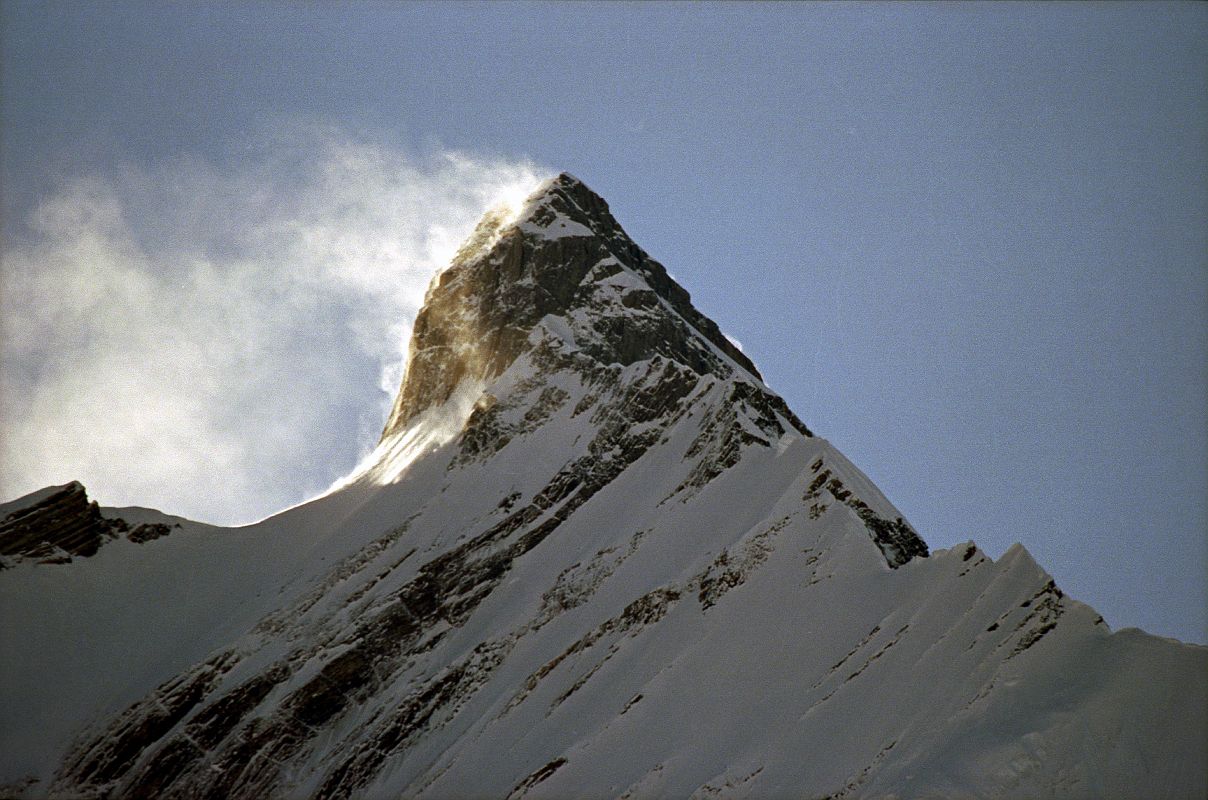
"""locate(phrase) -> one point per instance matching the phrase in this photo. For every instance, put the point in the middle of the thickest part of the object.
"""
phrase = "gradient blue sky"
(967, 243)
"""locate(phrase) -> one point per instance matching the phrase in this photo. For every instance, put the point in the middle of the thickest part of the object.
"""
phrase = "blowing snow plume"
(196, 332)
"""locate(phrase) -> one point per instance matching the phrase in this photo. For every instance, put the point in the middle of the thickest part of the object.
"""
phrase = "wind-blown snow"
(221, 343)
(431, 430)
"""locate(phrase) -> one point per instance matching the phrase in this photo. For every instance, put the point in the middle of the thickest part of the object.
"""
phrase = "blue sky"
(967, 242)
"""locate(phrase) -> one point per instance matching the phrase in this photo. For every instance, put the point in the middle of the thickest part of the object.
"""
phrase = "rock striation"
(58, 522)
(63, 519)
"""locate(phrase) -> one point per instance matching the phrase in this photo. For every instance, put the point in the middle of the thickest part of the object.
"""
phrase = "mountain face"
(592, 556)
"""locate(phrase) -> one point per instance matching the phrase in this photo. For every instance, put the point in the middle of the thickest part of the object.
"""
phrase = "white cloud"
(219, 342)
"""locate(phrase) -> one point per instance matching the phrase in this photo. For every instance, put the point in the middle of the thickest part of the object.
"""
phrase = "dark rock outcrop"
(59, 522)
(63, 520)
(898, 542)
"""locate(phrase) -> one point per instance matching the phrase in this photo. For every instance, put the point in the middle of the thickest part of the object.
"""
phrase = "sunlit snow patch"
(428, 431)
(514, 203)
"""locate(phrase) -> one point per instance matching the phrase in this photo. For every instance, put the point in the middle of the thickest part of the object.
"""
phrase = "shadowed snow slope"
(593, 556)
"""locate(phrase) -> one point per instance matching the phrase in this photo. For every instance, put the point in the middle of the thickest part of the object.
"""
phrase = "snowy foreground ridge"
(594, 556)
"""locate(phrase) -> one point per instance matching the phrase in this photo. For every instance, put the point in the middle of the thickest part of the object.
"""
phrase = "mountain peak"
(600, 535)
(560, 255)
(564, 206)
(562, 181)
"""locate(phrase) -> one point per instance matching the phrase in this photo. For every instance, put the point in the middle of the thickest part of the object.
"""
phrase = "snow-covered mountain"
(593, 556)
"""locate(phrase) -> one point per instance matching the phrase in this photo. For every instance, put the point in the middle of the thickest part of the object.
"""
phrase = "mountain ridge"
(593, 555)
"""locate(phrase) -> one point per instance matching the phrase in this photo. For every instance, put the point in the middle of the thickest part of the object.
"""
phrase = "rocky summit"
(593, 555)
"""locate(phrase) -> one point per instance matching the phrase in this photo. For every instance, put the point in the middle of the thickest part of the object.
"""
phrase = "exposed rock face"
(62, 520)
(565, 252)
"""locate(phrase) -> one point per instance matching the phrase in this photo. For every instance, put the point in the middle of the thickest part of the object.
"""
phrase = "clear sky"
(967, 243)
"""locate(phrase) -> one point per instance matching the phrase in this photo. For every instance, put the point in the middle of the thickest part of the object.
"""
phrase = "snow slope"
(593, 556)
